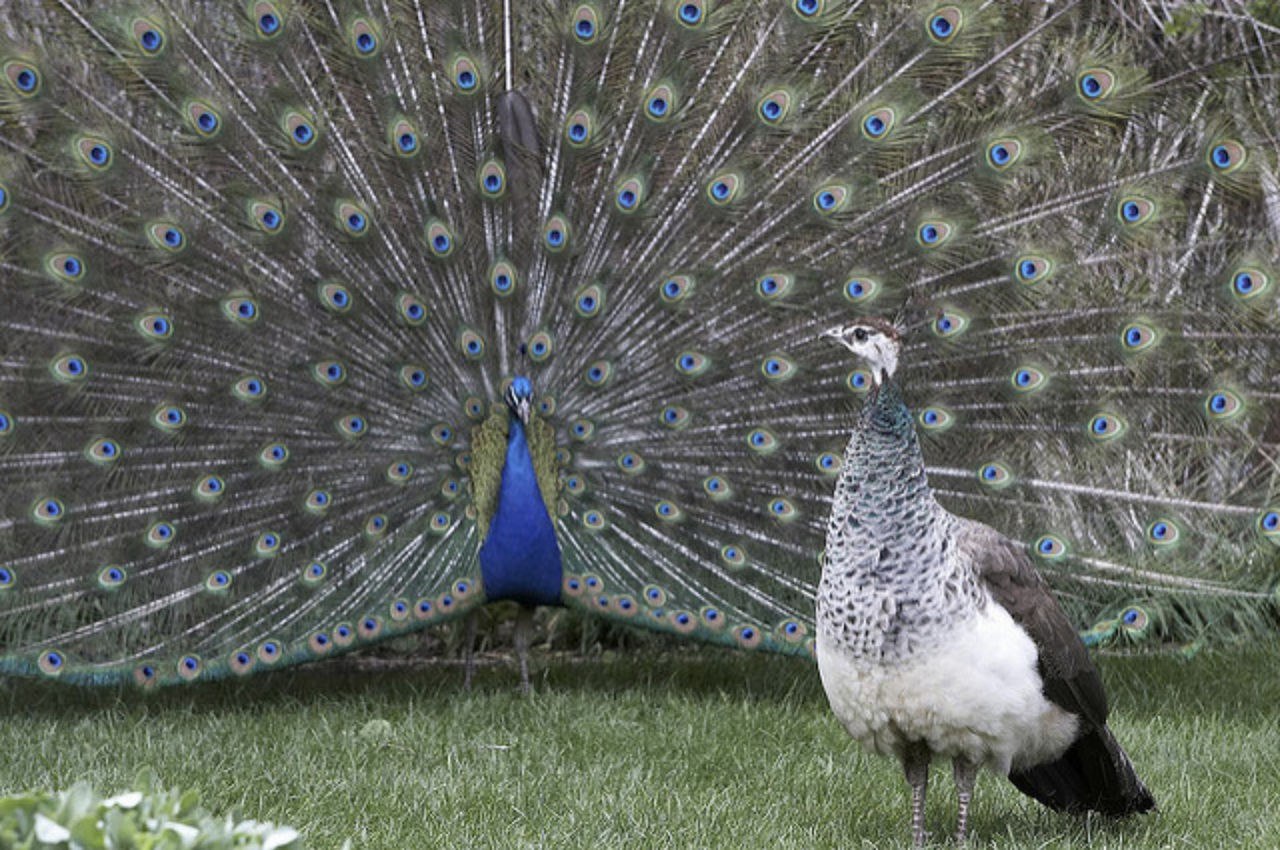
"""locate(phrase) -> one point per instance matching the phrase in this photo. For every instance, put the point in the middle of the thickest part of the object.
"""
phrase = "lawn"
(686, 749)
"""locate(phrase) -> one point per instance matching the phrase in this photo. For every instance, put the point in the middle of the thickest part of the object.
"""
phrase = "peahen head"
(875, 340)
(519, 398)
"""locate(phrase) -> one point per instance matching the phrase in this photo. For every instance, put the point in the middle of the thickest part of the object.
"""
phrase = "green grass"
(689, 749)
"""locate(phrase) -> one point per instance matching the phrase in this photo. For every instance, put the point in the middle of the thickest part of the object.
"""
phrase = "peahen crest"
(269, 268)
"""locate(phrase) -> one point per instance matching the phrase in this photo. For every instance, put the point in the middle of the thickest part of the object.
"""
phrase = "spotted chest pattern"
(892, 583)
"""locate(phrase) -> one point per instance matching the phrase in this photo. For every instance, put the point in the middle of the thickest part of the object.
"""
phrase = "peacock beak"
(833, 334)
(523, 409)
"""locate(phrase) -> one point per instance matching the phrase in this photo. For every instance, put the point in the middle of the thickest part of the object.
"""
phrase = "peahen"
(298, 294)
(936, 636)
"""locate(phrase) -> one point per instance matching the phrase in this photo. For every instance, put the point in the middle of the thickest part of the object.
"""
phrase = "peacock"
(326, 321)
(936, 636)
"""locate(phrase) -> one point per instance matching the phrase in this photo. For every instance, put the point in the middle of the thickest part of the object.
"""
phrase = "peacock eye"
(860, 334)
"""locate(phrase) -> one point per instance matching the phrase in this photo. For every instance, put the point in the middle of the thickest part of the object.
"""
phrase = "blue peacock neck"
(520, 558)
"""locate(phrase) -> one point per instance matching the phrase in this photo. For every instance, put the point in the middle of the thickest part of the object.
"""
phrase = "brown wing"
(1070, 679)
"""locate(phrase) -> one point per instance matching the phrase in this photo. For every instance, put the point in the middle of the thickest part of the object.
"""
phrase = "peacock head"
(875, 340)
(519, 398)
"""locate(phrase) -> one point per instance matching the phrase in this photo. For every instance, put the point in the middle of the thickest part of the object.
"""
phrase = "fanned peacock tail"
(269, 268)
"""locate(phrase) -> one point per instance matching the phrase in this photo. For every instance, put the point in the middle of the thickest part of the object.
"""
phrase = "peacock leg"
(965, 772)
(915, 763)
(468, 651)
(524, 632)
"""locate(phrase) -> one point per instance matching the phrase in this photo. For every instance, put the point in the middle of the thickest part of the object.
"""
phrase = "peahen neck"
(883, 473)
(890, 575)
(520, 558)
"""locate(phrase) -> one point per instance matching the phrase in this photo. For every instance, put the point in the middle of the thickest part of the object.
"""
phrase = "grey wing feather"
(1070, 679)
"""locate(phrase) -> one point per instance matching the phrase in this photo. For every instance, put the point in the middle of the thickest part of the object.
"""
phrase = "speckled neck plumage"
(890, 582)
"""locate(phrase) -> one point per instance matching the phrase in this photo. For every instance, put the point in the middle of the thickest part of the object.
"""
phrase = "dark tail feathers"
(1094, 774)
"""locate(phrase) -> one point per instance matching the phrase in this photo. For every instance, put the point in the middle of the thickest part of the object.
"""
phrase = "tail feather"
(1094, 774)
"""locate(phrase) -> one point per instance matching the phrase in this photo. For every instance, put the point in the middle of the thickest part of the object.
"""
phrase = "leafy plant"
(149, 817)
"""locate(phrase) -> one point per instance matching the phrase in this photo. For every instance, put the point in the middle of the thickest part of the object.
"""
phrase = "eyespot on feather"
(676, 288)
(364, 38)
(492, 180)
(268, 19)
(598, 374)
(580, 128)
(69, 369)
(555, 234)
(762, 441)
(1028, 379)
(1223, 404)
(995, 474)
(861, 290)
(66, 267)
(209, 488)
(724, 189)
(1032, 269)
(266, 217)
(733, 556)
(809, 10)
(103, 452)
(1104, 427)
(1003, 154)
(1163, 532)
(1135, 210)
(465, 75)
(241, 309)
(203, 119)
(878, 124)
(94, 153)
(1248, 283)
(935, 419)
(23, 77)
(949, 324)
(166, 236)
(169, 418)
(585, 24)
(441, 240)
(403, 137)
(1226, 156)
(589, 301)
(774, 106)
(299, 128)
(1095, 84)
(661, 103)
(692, 364)
(503, 278)
(934, 233)
(775, 286)
(352, 219)
(1049, 547)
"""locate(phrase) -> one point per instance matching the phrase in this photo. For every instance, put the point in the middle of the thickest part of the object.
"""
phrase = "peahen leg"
(915, 763)
(965, 772)
(468, 651)
(524, 632)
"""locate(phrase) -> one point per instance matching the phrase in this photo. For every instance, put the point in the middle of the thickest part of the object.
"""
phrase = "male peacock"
(270, 269)
(520, 558)
(936, 637)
